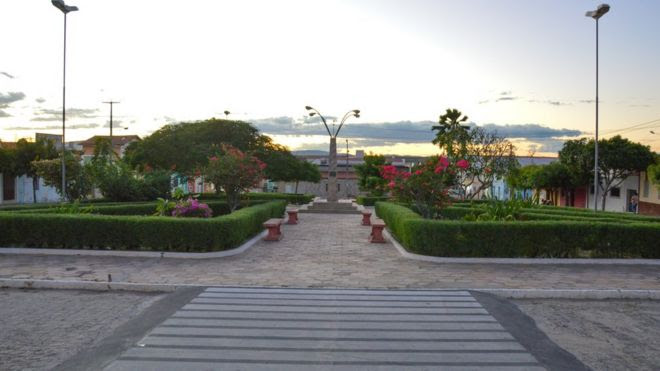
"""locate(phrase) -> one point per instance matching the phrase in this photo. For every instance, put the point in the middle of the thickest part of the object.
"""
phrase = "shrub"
(192, 209)
(370, 200)
(135, 232)
(543, 238)
(294, 198)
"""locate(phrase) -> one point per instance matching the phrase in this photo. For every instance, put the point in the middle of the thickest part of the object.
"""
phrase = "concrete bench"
(377, 227)
(274, 233)
(366, 217)
(293, 216)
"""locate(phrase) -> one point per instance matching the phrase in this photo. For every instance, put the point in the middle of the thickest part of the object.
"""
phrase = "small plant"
(192, 208)
(164, 207)
(178, 194)
(497, 210)
(74, 208)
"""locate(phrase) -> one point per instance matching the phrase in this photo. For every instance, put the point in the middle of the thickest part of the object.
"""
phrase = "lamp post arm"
(346, 116)
(322, 119)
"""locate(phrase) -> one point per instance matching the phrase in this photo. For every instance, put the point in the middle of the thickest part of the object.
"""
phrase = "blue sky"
(523, 68)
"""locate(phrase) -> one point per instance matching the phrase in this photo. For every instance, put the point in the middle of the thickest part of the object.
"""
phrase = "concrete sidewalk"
(327, 250)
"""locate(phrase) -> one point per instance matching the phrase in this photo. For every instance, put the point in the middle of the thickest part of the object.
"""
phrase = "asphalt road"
(603, 334)
(85, 330)
(39, 329)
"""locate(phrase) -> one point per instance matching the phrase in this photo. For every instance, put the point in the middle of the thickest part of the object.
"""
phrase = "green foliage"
(370, 200)
(164, 207)
(79, 180)
(541, 239)
(136, 232)
(452, 135)
(368, 173)
(653, 173)
(73, 208)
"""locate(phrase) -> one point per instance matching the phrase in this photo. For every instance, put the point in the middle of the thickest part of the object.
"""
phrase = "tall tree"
(27, 152)
(369, 175)
(452, 134)
(653, 172)
(78, 177)
(306, 172)
(489, 156)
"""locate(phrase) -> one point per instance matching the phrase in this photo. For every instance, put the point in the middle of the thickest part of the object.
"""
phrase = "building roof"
(117, 140)
(7, 145)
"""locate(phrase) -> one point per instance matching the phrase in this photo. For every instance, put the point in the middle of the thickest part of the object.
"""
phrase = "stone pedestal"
(332, 171)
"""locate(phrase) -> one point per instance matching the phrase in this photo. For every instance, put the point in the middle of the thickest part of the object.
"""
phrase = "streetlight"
(596, 14)
(332, 174)
(59, 4)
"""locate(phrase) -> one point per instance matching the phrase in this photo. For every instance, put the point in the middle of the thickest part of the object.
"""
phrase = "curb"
(529, 261)
(584, 294)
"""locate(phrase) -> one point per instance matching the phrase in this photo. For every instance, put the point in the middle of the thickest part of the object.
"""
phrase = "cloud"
(40, 100)
(500, 99)
(11, 97)
(587, 101)
(6, 74)
(54, 127)
(530, 131)
(550, 102)
(507, 92)
(116, 124)
(483, 101)
(56, 115)
(389, 133)
(4, 114)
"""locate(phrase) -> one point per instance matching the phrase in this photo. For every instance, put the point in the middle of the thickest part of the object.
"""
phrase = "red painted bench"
(377, 227)
(274, 233)
(293, 216)
(366, 217)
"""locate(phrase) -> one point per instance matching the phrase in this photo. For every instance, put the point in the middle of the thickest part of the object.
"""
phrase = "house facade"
(649, 196)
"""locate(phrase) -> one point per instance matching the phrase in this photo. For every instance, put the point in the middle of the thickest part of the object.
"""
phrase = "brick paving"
(326, 250)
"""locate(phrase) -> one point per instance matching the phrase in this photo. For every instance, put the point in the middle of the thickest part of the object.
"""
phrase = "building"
(23, 189)
(649, 197)
(119, 144)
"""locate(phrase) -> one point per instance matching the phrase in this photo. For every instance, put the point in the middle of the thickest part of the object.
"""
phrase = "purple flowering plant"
(192, 208)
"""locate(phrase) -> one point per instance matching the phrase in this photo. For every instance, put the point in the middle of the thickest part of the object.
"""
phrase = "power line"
(633, 127)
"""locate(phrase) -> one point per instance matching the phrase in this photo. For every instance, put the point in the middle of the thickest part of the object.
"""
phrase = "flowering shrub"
(192, 208)
(427, 186)
(234, 172)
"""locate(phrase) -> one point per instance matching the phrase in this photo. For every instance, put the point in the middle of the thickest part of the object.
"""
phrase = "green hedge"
(294, 198)
(136, 232)
(370, 200)
(552, 238)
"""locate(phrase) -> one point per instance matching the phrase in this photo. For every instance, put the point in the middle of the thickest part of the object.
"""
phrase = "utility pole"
(111, 103)
(346, 172)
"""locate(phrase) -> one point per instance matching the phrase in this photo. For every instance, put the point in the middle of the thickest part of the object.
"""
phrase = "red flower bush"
(426, 188)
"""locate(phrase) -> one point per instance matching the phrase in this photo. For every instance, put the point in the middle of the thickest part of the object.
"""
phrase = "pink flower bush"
(463, 164)
(192, 208)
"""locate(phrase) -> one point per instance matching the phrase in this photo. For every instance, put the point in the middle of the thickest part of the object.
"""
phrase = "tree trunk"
(35, 182)
(604, 198)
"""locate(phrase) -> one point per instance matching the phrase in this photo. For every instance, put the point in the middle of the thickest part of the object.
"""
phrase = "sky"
(523, 68)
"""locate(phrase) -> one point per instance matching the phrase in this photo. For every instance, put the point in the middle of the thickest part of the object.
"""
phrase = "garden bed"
(559, 236)
(133, 232)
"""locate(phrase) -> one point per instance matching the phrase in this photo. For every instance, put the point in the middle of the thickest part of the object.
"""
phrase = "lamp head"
(599, 12)
(308, 108)
(59, 4)
(357, 115)
(227, 113)
(311, 114)
(356, 112)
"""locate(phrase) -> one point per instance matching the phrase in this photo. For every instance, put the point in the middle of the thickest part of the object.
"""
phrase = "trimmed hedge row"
(541, 239)
(370, 200)
(136, 232)
(584, 214)
(294, 198)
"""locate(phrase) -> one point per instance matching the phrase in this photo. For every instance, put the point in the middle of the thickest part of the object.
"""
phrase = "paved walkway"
(302, 329)
(328, 251)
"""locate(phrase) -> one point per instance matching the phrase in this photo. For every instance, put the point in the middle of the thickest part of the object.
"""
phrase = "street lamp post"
(111, 103)
(332, 173)
(59, 4)
(596, 14)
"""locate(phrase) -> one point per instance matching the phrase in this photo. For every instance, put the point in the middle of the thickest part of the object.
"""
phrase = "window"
(615, 192)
